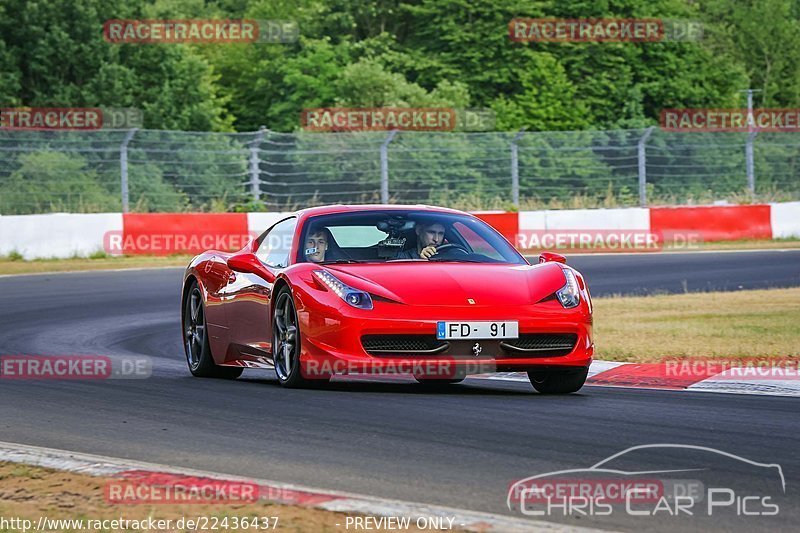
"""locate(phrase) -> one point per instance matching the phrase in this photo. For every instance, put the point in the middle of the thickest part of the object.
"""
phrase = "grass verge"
(761, 323)
(15, 265)
(29, 492)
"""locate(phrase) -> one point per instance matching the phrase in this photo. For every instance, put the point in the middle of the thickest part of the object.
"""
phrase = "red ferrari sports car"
(386, 289)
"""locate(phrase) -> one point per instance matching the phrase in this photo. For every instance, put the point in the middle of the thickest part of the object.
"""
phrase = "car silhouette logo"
(608, 469)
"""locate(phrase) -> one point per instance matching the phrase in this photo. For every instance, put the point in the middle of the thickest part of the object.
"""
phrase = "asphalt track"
(460, 448)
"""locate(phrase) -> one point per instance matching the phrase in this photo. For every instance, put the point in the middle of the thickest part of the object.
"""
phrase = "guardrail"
(64, 235)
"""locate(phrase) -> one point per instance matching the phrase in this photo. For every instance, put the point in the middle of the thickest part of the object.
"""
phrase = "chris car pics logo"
(665, 480)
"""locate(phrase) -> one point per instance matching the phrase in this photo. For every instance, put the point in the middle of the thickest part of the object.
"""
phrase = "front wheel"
(286, 342)
(558, 381)
(195, 340)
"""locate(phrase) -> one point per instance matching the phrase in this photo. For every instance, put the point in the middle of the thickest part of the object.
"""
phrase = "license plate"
(477, 330)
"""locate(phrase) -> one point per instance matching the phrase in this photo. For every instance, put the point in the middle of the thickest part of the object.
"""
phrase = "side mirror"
(248, 263)
(548, 257)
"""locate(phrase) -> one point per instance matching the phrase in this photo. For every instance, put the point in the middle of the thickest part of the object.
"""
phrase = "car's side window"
(275, 245)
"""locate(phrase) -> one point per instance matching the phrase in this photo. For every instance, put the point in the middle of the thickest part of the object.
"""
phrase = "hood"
(449, 284)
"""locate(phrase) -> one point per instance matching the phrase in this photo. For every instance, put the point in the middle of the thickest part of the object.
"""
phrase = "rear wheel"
(558, 381)
(195, 340)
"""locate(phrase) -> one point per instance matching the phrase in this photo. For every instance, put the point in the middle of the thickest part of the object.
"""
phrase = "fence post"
(385, 167)
(123, 169)
(748, 154)
(642, 156)
(515, 167)
(255, 162)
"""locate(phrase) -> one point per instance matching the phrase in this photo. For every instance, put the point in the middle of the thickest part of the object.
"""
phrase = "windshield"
(395, 236)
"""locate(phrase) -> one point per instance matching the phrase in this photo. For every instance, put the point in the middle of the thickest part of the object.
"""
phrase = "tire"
(558, 381)
(195, 340)
(286, 343)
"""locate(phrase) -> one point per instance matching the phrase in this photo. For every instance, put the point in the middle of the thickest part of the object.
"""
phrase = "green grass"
(14, 264)
(760, 323)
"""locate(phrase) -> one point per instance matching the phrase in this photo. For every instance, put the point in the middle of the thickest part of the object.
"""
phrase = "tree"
(764, 36)
(54, 55)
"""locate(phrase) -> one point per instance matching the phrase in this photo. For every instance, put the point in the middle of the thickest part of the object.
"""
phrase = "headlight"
(354, 297)
(569, 295)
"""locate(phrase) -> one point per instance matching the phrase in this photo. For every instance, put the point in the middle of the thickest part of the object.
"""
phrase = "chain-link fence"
(149, 170)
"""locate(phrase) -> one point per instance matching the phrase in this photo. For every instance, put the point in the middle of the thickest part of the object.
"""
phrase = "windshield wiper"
(341, 262)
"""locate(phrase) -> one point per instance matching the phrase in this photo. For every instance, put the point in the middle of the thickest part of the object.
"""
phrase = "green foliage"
(54, 181)
(397, 52)
(150, 193)
(763, 38)
(52, 54)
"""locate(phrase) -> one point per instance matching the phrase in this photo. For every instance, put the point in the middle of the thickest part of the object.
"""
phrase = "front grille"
(543, 344)
(400, 344)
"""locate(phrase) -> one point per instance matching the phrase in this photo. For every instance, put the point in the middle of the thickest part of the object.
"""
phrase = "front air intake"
(542, 344)
(402, 344)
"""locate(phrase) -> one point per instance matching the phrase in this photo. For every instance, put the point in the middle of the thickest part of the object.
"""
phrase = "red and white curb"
(282, 493)
(656, 376)
(65, 235)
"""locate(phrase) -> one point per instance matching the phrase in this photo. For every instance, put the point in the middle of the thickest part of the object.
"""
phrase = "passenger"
(317, 244)
(429, 237)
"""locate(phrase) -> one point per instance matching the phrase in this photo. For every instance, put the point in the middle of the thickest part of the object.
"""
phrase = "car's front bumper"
(333, 344)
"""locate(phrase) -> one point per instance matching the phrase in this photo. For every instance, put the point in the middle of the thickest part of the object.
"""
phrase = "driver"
(317, 244)
(429, 237)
